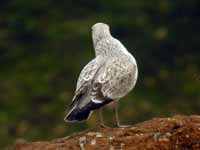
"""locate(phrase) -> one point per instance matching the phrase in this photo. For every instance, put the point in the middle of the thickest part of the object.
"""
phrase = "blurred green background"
(45, 44)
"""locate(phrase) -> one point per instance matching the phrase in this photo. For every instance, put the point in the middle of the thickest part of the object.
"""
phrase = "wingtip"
(69, 121)
(70, 118)
(73, 121)
(66, 120)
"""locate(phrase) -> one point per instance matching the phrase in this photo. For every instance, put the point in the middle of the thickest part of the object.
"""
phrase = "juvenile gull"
(111, 75)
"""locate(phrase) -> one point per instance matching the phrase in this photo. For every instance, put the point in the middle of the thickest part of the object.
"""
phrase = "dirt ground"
(176, 133)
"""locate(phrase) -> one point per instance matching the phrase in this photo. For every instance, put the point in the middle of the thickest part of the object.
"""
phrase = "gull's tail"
(77, 114)
(82, 108)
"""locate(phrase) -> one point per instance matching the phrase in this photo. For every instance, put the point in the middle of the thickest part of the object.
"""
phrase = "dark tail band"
(77, 114)
(81, 114)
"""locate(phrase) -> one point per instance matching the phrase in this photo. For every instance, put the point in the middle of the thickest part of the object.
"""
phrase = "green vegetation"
(44, 45)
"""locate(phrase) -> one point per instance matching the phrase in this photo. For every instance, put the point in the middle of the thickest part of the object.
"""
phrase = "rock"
(176, 133)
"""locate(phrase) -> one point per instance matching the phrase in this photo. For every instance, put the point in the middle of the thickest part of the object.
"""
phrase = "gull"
(108, 77)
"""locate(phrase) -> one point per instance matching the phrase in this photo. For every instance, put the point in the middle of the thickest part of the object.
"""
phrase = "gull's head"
(100, 31)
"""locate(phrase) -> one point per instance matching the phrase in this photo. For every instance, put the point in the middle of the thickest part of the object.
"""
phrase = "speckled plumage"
(109, 76)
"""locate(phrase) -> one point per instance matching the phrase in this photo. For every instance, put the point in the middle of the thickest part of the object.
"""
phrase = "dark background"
(45, 44)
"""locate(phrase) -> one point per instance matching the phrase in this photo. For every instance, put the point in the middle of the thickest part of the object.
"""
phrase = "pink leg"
(117, 121)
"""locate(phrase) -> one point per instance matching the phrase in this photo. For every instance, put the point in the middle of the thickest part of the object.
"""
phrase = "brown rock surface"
(176, 133)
